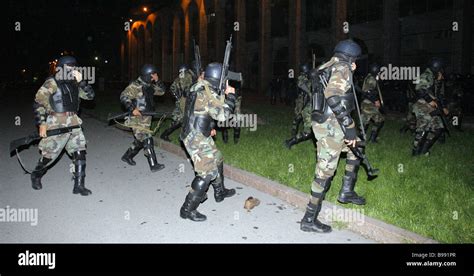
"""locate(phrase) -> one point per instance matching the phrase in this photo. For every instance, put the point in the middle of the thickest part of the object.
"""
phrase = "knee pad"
(200, 184)
(79, 155)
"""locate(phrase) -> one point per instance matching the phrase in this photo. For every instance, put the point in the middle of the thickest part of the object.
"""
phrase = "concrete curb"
(366, 226)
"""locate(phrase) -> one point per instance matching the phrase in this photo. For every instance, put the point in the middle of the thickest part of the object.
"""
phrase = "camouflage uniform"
(330, 143)
(203, 106)
(369, 111)
(429, 126)
(304, 108)
(51, 147)
(56, 106)
(178, 89)
(139, 94)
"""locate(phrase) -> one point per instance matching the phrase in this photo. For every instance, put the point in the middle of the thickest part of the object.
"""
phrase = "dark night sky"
(87, 28)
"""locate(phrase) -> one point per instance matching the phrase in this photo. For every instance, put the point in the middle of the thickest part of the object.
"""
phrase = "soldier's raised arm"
(86, 92)
(159, 88)
(220, 109)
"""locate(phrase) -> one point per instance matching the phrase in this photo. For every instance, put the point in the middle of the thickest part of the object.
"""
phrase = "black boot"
(150, 155)
(38, 173)
(80, 174)
(296, 140)
(165, 135)
(373, 136)
(430, 142)
(220, 192)
(225, 135)
(236, 135)
(193, 199)
(132, 152)
(420, 139)
(347, 193)
(310, 222)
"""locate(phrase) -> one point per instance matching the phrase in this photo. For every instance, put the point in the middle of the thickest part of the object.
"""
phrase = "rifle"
(371, 171)
(313, 55)
(197, 59)
(25, 141)
(114, 117)
(226, 74)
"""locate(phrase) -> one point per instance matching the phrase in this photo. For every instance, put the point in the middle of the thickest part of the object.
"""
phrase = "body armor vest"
(145, 103)
(321, 110)
(66, 97)
(202, 123)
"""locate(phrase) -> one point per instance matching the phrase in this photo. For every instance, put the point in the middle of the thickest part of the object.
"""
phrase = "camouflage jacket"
(369, 88)
(182, 84)
(208, 102)
(134, 91)
(429, 83)
(340, 82)
(42, 106)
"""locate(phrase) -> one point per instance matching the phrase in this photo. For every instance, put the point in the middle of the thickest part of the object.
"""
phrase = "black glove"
(350, 134)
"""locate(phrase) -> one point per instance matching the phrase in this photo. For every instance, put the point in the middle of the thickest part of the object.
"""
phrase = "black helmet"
(146, 72)
(183, 67)
(436, 65)
(349, 49)
(66, 60)
(304, 68)
(213, 73)
(374, 69)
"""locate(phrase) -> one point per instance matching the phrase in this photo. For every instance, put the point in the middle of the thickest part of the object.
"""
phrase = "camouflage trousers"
(424, 120)
(204, 154)
(141, 126)
(306, 113)
(369, 112)
(177, 115)
(51, 147)
(330, 145)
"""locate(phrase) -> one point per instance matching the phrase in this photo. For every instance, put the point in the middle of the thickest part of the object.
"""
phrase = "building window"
(413, 7)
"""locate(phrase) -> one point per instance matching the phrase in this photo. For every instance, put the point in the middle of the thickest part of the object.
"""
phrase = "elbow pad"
(342, 115)
(127, 103)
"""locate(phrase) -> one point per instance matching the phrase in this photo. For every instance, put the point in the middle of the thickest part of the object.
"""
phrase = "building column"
(165, 57)
(391, 32)
(202, 33)
(219, 30)
(240, 54)
(339, 12)
(462, 46)
(296, 29)
(265, 46)
(176, 43)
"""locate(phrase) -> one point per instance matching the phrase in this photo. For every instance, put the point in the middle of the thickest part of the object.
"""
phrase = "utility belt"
(62, 114)
(203, 124)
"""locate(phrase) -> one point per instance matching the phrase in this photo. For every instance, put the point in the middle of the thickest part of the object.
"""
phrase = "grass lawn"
(430, 195)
